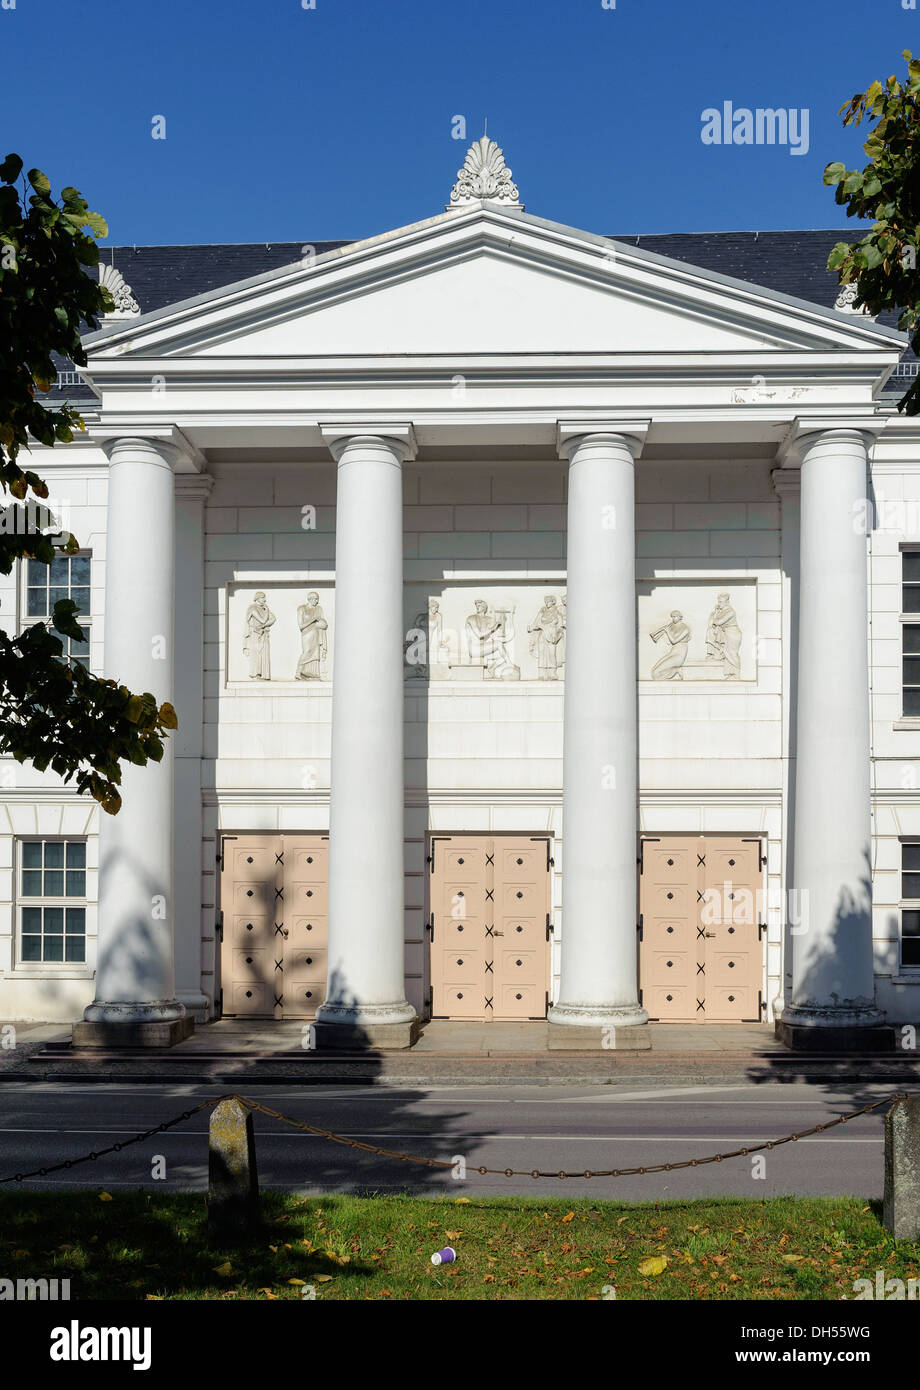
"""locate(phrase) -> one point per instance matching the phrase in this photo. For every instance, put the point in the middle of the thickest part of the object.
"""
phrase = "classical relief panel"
(696, 631)
(279, 633)
(485, 632)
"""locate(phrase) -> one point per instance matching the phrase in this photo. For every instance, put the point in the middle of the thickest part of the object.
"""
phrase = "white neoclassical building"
(542, 614)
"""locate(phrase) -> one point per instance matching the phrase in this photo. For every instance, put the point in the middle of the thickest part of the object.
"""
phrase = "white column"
(599, 984)
(832, 967)
(366, 981)
(134, 976)
(192, 492)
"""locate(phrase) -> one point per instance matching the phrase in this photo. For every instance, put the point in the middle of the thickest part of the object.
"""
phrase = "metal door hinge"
(761, 928)
(429, 926)
(549, 927)
(639, 926)
(220, 925)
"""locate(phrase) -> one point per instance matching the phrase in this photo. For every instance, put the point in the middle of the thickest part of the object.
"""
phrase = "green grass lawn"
(139, 1246)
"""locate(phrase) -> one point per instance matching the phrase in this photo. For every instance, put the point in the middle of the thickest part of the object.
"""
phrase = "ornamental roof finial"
(484, 176)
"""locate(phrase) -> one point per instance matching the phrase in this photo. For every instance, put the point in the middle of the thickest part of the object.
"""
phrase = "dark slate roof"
(794, 263)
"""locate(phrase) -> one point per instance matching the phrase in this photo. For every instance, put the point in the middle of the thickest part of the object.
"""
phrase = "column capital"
(803, 434)
(167, 440)
(632, 433)
(401, 435)
(786, 480)
(197, 487)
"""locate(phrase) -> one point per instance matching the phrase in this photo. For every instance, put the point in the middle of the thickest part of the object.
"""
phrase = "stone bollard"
(233, 1182)
(901, 1214)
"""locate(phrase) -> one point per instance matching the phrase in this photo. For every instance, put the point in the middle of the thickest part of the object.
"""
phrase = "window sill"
(912, 977)
(908, 722)
(60, 969)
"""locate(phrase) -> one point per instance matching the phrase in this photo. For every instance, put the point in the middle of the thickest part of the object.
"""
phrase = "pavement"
(548, 1127)
(233, 1052)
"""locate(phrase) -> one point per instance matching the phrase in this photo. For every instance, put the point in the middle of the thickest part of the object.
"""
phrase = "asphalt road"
(500, 1126)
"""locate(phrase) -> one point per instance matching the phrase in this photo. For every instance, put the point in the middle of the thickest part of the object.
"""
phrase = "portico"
(477, 414)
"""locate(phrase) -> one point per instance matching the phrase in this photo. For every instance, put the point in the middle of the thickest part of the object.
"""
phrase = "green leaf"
(834, 172)
(11, 168)
(39, 181)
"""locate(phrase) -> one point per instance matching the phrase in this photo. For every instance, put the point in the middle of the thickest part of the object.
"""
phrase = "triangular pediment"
(492, 281)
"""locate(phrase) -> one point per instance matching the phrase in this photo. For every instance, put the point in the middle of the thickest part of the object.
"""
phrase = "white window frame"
(906, 905)
(50, 900)
(84, 619)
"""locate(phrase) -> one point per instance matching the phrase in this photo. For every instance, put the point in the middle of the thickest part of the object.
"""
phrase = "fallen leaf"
(322, 1278)
(154, 1298)
(461, 1201)
(225, 1268)
(105, 1196)
(570, 1216)
(656, 1264)
(301, 1283)
(453, 1235)
(792, 1259)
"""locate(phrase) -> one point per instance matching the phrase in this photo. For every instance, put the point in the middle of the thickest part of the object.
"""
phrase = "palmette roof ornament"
(484, 175)
(126, 306)
(845, 303)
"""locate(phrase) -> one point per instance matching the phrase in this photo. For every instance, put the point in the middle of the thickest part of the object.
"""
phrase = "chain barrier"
(381, 1152)
(112, 1148)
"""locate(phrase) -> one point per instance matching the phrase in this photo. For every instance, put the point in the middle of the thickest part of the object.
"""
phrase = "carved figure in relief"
(488, 638)
(313, 641)
(547, 639)
(256, 642)
(723, 638)
(677, 632)
(426, 641)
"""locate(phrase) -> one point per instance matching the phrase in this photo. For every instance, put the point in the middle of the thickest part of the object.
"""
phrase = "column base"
(364, 1037)
(598, 1015)
(152, 1033)
(593, 1038)
(810, 1037)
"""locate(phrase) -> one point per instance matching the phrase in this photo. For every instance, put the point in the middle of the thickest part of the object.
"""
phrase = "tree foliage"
(53, 712)
(884, 263)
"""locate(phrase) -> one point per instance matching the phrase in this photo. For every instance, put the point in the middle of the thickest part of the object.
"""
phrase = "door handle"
(498, 933)
(709, 933)
(285, 933)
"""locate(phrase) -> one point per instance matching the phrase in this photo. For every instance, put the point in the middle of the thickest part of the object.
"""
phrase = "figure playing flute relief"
(677, 632)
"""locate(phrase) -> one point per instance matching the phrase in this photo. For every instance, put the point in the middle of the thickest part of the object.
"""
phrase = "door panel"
(274, 895)
(701, 953)
(489, 905)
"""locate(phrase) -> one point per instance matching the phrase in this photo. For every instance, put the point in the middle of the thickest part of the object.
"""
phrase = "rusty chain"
(587, 1172)
(112, 1148)
(320, 1133)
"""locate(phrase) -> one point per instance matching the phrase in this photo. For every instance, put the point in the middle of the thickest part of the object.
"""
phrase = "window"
(910, 903)
(68, 576)
(52, 900)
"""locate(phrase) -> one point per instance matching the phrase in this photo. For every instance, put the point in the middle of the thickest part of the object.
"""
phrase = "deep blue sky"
(286, 124)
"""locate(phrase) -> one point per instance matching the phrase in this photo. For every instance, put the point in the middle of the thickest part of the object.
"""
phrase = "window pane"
(55, 595)
(75, 918)
(31, 883)
(81, 599)
(76, 884)
(912, 702)
(54, 883)
(76, 854)
(32, 919)
(37, 603)
(911, 638)
(910, 886)
(74, 948)
(54, 921)
(54, 854)
(910, 564)
(910, 951)
(910, 856)
(32, 854)
(910, 923)
(37, 574)
(910, 670)
(31, 948)
(60, 570)
(79, 569)
(54, 948)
